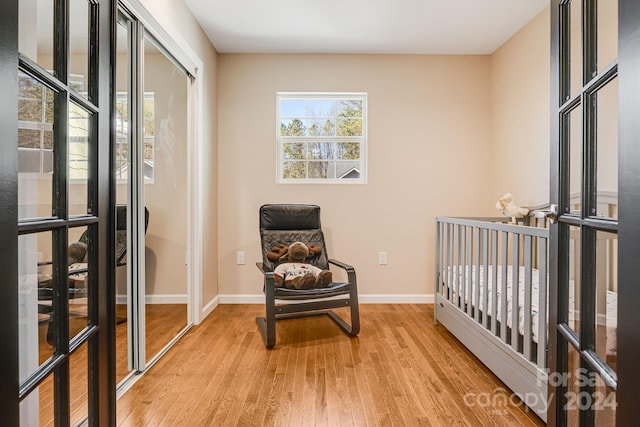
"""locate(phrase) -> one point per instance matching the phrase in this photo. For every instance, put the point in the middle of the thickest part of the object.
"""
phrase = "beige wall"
(519, 85)
(176, 19)
(429, 154)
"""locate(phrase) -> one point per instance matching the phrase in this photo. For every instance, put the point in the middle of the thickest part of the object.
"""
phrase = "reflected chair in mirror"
(284, 224)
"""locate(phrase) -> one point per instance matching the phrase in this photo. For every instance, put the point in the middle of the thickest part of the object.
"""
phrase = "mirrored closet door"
(151, 148)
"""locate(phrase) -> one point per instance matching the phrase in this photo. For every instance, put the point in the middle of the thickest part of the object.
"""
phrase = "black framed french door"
(595, 162)
(56, 220)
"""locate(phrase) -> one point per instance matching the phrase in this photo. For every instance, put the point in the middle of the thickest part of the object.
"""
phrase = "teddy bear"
(296, 273)
(508, 208)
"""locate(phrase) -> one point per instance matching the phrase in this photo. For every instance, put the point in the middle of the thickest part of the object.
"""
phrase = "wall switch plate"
(240, 258)
(382, 258)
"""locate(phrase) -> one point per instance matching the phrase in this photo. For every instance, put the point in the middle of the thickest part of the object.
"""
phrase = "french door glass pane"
(575, 49)
(35, 148)
(607, 297)
(79, 384)
(79, 46)
(165, 153)
(607, 150)
(574, 278)
(35, 38)
(607, 32)
(78, 280)
(35, 308)
(79, 132)
(604, 404)
(574, 377)
(575, 159)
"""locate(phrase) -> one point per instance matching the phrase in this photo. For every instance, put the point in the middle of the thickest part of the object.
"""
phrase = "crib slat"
(467, 270)
(527, 337)
(449, 295)
(458, 264)
(485, 277)
(503, 287)
(462, 266)
(515, 291)
(542, 304)
(476, 291)
(494, 282)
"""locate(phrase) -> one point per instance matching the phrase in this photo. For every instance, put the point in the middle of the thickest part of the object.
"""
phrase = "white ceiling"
(362, 26)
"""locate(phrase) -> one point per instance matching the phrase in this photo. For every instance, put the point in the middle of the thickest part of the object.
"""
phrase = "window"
(322, 137)
(35, 126)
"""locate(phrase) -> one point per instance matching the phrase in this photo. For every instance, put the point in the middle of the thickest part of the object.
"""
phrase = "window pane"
(79, 46)
(292, 127)
(348, 151)
(35, 38)
(574, 279)
(607, 151)
(607, 32)
(607, 297)
(321, 169)
(321, 150)
(293, 108)
(295, 151)
(349, 127)
(294, 170)
(322, 108)
(35, 308)
(346, 170)
(322, 127)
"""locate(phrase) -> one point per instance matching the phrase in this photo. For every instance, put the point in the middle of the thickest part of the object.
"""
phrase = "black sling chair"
(285, 224)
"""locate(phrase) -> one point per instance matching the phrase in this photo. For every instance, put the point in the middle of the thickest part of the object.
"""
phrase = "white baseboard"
(209, 307)
(157, 299)
(364, 299)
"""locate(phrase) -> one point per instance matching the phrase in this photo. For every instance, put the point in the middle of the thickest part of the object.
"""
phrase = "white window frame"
(362, 140)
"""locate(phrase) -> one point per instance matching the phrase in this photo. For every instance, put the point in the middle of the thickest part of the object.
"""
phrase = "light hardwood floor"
(401, 371)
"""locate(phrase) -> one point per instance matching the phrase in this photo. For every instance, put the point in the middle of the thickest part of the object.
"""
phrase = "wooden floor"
(401, 371)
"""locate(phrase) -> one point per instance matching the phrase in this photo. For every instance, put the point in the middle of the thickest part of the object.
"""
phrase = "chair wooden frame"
(306, 221)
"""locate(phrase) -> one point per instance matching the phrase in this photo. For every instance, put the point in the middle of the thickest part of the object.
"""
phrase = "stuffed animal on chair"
(296, 273)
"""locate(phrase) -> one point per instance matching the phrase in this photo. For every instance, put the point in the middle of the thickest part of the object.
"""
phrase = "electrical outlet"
(240, 258)
(382, 258)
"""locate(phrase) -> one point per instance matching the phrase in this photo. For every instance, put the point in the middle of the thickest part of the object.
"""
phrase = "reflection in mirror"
(607, 297)
(124, 363)
(35, 38)
(574, 279)
(35, 308)
(35, 148)
(607, 32)
(607, 151)
(165, 138)
(575, 160)
(573, 382)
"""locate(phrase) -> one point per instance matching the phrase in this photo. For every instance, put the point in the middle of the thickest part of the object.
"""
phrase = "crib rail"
(487, 268)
